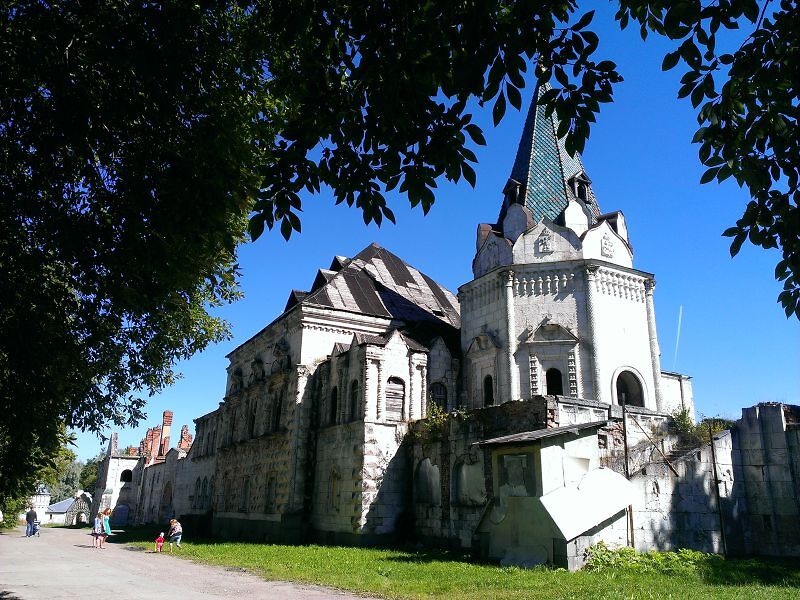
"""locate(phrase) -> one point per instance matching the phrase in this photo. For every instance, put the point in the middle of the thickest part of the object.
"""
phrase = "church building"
(321, 433)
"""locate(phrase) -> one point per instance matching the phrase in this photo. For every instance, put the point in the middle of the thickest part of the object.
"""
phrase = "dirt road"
(63, 564)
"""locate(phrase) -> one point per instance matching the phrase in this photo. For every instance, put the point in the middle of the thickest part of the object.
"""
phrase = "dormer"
(579, 184)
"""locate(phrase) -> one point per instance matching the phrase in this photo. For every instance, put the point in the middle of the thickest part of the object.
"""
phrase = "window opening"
(334, 406)
(629, 390)
(438, 395)
(395, 396)
(126, 476)
(555, 382)
(488, 391)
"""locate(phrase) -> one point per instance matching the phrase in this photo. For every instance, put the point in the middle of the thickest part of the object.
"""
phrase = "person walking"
(30, 518)
(175, 533)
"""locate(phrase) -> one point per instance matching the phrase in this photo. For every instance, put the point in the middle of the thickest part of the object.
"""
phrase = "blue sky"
(735, 341)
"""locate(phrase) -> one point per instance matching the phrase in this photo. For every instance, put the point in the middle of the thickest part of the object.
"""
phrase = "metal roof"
(377, 282)
(539, 434)
(543, 167)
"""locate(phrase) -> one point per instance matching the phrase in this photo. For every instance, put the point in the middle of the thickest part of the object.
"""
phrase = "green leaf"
(499, 109)
(475, 134)
(670, 60)
(583, 21)
(709, 175)
(514, 97)
(736, 245)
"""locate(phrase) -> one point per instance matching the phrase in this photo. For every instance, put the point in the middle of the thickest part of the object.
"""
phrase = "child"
(159, 541)
(97, 531)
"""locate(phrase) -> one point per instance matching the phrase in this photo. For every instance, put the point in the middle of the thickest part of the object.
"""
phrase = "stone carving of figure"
(545, 242)
(256, 370)
(607, 246)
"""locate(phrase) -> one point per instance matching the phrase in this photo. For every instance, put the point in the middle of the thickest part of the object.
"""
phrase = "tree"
(137, 139)
(90, 473)
(68, 481)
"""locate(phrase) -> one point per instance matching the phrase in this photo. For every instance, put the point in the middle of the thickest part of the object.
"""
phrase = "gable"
(546, 242)
(495, 252)
(603, 243)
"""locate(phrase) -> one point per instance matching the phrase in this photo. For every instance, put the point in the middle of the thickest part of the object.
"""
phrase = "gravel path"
(63, 564)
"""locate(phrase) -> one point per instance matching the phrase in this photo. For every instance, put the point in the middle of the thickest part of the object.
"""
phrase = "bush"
(601, 557)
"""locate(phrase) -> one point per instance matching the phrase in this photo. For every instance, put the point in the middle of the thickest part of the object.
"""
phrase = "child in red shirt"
(159, 541)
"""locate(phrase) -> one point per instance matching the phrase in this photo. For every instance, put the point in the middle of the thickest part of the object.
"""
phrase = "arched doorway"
(629, 390)
(120, 515)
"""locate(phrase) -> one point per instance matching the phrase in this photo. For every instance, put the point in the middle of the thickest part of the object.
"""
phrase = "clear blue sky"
(735, 341)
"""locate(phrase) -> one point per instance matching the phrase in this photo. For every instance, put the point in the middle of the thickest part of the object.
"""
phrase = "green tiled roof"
(544, 167)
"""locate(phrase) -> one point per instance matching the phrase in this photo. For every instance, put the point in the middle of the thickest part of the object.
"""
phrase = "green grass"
(411, 573)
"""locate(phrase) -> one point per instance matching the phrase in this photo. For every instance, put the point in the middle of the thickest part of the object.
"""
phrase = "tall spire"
(545, 176)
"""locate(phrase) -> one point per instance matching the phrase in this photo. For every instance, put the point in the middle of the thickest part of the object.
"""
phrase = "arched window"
(271, 494)
(204, 493)
(629, 390)
(333, 409)
(244, 501)
(437, 395)
(126, 476)
(355, 401)
(395, 396)
(196, 501)
(555, 383)
(488, 391)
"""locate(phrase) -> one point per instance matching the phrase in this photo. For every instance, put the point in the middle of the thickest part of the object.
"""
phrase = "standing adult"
(30, 517)
(175, 533)
(106, 525)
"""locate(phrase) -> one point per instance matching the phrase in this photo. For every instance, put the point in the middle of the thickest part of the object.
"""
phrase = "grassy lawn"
(411, 573)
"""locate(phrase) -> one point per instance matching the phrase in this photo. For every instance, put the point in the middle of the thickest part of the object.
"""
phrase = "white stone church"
(322, 431)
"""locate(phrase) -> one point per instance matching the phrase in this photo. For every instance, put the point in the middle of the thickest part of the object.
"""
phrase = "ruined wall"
(682, 511)
(336, 505)
(767, 438)
(452, 477)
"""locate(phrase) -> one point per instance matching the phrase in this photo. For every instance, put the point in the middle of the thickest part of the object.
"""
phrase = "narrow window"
(334, 407)
(244, 501)
(251, 423)
(555, 383)
(204, 494)
(276, 416)
(355, 404)
(437, 396)
(270, 494)
(395, 396)
(196, 502)
(488, 391)
(582, 191)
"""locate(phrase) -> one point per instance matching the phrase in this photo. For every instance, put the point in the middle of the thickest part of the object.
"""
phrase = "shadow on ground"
(742, 571)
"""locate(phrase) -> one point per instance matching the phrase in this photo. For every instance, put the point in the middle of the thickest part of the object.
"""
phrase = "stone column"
(513, 370)
(297, 433)
(590, 282)
(655, 351)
